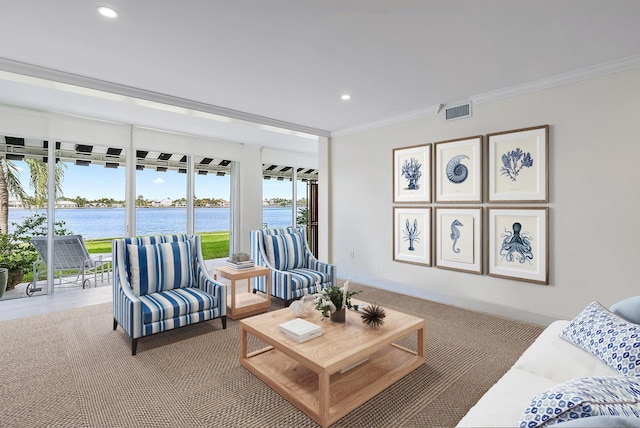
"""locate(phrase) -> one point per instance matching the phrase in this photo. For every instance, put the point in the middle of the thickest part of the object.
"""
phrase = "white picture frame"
(458, 239)
(518, 165)
(458, 170)
(518, 241)
(412, 174)
(412, 235)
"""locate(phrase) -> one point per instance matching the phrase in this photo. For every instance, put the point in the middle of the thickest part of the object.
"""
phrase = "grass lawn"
(215, 245)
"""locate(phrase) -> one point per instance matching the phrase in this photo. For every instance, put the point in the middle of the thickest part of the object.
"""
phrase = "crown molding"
(415, 114)
(17, 67)
(560, 79)
(591, 72)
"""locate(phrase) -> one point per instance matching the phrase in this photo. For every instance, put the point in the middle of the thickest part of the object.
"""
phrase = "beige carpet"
(70, 369)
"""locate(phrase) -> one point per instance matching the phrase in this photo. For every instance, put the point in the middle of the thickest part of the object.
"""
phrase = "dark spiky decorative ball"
(373, 316)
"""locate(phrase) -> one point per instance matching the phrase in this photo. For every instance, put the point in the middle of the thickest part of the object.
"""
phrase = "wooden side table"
(245, 303)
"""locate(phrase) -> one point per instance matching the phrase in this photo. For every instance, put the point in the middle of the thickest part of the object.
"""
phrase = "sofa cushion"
(629, 309)
(286, 251)
(607, 336)
(159, 267)
(583, 398)
(166, 305)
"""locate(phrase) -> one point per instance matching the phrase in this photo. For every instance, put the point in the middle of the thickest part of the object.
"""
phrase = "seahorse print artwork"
(411, 234)
(455, 234)
(516, 245)
(456, 171)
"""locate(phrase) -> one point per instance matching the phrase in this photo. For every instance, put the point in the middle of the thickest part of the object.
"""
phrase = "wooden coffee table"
(315, 376)
(246, 303)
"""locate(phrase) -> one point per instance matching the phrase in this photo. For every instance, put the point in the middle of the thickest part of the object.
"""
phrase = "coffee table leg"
(323, 393)
(243, 343)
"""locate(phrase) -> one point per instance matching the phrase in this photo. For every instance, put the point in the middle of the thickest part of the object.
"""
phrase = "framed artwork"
(412, 174)
(458, 240)
(412, 235)
(519, 165)
(519, 243)
(458, 170)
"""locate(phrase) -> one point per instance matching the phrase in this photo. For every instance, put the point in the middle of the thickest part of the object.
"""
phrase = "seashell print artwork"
(456, 171)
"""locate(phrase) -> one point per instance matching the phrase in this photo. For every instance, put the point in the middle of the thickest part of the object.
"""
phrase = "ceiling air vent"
(458, 112)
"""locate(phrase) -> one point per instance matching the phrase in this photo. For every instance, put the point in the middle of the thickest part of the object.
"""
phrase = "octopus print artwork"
(516, 245)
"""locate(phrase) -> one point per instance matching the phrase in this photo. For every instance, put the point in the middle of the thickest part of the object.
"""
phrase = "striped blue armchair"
(161, 283)
(294, 270)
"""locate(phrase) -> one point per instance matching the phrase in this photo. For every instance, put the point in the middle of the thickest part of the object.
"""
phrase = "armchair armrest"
(127, 307)
(210, 286)
(317, 265)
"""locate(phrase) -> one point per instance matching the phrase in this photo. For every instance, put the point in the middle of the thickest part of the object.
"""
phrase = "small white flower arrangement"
(333, 299)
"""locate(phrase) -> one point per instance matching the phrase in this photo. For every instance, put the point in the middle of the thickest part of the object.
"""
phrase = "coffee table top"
(339, 342)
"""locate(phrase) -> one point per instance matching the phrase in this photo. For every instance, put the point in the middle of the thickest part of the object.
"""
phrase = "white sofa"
(548, 362)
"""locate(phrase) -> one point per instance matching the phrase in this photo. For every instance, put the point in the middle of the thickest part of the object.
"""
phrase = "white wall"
(593, 171)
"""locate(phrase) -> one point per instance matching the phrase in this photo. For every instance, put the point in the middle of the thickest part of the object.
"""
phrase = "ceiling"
(272, 72)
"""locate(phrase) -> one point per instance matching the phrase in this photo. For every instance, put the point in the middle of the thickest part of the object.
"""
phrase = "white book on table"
(300, 330)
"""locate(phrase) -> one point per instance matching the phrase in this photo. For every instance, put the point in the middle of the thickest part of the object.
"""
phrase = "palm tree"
(10, 185)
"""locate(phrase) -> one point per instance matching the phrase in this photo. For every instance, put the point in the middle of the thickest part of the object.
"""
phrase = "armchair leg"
(134, 346)
(115, 324)
(224, 322)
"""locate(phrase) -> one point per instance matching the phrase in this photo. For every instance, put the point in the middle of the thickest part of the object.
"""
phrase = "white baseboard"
(453, 300)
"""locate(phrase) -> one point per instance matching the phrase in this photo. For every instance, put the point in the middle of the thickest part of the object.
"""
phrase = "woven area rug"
(71, 369)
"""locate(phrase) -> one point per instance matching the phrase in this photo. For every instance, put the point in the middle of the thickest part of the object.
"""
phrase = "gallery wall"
(594, 148)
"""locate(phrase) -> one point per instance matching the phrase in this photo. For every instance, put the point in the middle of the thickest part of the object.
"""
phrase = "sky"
(94, 182)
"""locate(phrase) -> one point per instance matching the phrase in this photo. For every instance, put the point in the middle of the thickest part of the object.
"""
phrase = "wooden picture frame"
(518, 165)
(412, 174)
(458, 239)
(458, 170)
(412, 235)
(518, 243)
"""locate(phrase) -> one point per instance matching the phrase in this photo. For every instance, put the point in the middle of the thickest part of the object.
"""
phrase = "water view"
(96, 223)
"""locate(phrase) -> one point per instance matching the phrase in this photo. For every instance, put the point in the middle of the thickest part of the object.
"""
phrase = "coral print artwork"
(518, 165)
(412, 174)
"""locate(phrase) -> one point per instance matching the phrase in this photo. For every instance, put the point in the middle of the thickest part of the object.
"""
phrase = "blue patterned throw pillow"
(158, 267)
(583, 398)
(607, 336)
(285, 251)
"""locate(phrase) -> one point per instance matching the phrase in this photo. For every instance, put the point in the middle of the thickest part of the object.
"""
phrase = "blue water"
(95, 223)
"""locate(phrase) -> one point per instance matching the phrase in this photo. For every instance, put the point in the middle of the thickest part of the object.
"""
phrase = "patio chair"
(69, 254)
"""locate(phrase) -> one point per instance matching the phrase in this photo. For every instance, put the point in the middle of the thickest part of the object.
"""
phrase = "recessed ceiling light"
(345, 97)
(107, 11)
